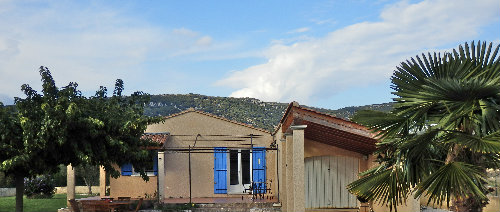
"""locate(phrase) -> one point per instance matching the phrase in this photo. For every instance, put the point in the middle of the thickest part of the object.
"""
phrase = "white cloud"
(362, 53)
(300, 30)
(89, 43)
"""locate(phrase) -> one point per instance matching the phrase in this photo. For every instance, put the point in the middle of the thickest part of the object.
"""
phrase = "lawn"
(8, 204)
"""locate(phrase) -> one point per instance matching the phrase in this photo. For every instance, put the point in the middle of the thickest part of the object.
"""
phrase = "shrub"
(41, 187)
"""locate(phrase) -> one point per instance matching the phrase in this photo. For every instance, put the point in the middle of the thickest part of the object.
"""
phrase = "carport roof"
(329, 129)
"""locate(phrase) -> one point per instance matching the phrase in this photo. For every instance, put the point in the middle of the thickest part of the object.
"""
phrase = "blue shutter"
(127, 169)
(155, 165)
(259, 170)
(220, 170)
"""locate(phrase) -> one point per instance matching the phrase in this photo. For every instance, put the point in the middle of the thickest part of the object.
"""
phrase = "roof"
(192, 110)
(329, 129)
(160, 138)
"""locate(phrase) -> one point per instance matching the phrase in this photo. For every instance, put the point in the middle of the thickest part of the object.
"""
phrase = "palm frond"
(384, 124)
(487, 144)
(386, 186)
(456, 179)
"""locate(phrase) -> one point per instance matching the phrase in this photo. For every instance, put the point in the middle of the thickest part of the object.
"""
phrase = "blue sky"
(327, 54)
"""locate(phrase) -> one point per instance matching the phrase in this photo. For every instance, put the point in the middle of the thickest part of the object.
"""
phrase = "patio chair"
(74, 205)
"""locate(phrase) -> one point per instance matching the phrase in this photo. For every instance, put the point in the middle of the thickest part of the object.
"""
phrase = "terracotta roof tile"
(160, 138)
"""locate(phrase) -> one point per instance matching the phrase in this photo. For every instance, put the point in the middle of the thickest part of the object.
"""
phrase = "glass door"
(239, 171)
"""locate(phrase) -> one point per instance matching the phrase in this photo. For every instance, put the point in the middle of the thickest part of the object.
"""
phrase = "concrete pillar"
(70, 184)
(282, 170)
(299, 195)
(102, 181)
(289, 177)
(161, 176)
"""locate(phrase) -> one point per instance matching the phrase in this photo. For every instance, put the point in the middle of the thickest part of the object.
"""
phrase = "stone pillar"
(70, 184)
(282, 170)
(299, 195)
(102, 181)
(161, 176)
(289, 177)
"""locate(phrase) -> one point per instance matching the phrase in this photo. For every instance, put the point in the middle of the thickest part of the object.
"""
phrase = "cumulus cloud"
(89, 43)
(361, 53)
(300, 30)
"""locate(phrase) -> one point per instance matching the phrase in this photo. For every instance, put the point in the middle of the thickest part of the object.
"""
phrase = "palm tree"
(443, 133)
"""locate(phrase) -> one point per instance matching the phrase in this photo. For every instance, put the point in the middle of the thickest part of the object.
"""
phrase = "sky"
(325, 53)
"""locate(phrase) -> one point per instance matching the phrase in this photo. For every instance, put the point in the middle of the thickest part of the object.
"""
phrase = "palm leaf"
(384, 124)
(386, 186)
(456, 179)
(487, 144)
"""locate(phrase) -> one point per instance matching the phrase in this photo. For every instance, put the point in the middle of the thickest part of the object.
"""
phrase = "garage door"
(326, 178)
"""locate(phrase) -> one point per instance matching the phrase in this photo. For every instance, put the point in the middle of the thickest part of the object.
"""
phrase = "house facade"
(319, 156)
(204, 156)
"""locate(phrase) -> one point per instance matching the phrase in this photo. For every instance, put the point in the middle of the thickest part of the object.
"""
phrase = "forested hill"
(252, 111)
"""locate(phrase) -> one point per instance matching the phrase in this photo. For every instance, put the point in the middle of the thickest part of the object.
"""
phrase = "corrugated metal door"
(259, 169)
(220, 170)
(326, 178)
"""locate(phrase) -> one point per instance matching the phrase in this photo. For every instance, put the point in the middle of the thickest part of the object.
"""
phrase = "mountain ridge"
(265, 115)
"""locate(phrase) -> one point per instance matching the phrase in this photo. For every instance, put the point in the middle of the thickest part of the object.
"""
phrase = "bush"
(41, 187)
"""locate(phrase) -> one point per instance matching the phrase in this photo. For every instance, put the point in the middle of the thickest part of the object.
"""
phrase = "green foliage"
(60, 126)
(60, 177)
(6, 181)
(41, 187)
(89, 174)
(443, 132)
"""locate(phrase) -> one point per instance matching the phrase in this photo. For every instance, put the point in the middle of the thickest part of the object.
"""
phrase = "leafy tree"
(60, 126)
(443, 132)
(11, 146)
(90, 175)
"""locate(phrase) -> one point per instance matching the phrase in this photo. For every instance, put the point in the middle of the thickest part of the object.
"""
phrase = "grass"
(8, 204)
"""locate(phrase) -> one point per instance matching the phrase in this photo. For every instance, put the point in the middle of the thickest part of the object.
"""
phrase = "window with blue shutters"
(259, 170)
(220, 170)
(127, 169)
(151, 170)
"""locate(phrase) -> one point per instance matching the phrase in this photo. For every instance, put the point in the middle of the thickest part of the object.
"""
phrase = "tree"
(60, 126)
(442, 134)
(90, 175)
(11, 146)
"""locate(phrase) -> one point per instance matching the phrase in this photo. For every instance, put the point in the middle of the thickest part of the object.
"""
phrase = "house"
(204, 156)
(319, 155)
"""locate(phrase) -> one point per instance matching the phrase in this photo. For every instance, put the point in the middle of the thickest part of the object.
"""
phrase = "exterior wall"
(202, 164)
(412, 205)
(280, 171)
(494, 204)
(132, 186)
(7, 192)
(314, 148)
(78, 190)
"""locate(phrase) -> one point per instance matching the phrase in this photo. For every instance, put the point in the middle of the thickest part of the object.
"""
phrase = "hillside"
(252, 111)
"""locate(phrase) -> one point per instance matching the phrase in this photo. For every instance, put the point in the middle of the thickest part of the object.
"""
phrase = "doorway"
(240, 173)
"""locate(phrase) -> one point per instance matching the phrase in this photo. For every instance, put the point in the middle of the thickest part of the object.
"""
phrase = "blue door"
(220, 170)
(259, 170)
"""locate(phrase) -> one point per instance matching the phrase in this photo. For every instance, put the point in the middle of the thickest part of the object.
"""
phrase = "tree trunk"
(452, 153)
(89, 186)
(19, 192)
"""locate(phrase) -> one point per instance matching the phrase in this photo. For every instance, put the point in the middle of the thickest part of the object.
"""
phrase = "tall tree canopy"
(60, 126)
(443, 133)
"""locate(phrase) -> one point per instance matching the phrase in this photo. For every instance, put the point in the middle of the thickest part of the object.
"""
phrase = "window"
(151, 170)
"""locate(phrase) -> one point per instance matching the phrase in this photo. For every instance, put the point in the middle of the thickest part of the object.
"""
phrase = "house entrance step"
(233, 207)
(237, 207)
